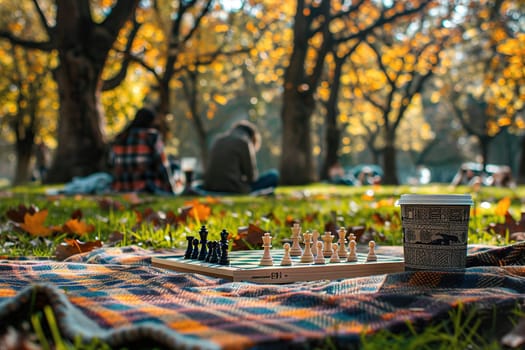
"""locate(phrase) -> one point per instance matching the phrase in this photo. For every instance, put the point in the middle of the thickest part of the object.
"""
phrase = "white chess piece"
(315, 236)
(287, 259)
(319, 259)
(327, 239)
(371, 251)
(352, 255)
(335, 256)
(342, 246)
(307, 256)
(266, 259)
(296, 247)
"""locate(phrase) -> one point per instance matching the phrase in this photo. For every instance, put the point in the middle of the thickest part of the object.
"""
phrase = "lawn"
(36, 223)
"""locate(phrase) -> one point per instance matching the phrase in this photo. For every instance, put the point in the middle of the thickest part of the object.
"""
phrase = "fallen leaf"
(34, 224)
(71, 247)
(78, 227)
(248, 238)
(200, 212)
(502, 207)
(17, 215)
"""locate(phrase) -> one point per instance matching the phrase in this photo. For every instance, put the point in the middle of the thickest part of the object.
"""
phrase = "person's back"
(139, 161)
(231, 164)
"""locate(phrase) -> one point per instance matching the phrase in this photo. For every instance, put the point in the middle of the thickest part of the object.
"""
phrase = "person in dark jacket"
(232, 165)
(139, 161)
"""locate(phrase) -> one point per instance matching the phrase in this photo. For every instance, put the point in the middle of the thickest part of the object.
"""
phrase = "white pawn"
(342, 246)
(266, 259)
(352, 255)
(307, 256)
(296, 247)
(371, 251)
(327, 239)
(315, 236)
(287, 259)
(335, 256)
(319, 258)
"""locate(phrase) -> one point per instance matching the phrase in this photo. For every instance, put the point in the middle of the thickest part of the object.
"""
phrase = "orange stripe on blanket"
(7, 292)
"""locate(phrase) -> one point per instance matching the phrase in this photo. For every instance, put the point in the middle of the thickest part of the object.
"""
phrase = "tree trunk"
(81, 147)
(332, 141)
(296, 163)
(521, 172)
(24, 150)
(389, 161)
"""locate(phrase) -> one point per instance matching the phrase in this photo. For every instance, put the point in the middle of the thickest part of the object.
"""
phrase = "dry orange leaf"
(200, 212)
(502, 207)
(78, 227)
(72, 246)
(34, 224)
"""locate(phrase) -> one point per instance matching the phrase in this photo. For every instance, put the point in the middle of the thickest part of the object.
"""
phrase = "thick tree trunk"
(332, 141)
(521, 172)
(81, 148)
(296, 163)
(23, 161)
(389, 162)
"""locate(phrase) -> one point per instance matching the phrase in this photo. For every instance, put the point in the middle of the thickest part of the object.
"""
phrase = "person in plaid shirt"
(139, 161)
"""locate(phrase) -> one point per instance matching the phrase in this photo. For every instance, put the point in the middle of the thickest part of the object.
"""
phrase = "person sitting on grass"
(232, 165)
(139, 163)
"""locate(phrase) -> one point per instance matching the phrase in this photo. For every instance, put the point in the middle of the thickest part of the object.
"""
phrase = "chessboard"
(244, 266)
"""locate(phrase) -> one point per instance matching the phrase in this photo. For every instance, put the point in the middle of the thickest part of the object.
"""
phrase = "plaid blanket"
(114, 294)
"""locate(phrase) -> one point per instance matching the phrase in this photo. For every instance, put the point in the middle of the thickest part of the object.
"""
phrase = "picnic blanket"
(114, 294)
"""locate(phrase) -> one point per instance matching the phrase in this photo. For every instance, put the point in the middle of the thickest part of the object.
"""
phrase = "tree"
(199, 48)
(27, 92)
(314, 36)
(483, 82)
(406, 58)
(82, 36)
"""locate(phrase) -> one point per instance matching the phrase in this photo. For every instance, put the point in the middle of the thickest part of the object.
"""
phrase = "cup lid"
(440, 199)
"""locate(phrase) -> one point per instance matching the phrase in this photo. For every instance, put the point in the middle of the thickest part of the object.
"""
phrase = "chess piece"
(307, 256)
(315, 236)
(319, 259)
(287, 259)
(327, 242)
(266, 259)
(351, 236)
(352, 254)
(342, 243)
(214, 259)
(335, 256)
(296, 247)
(224, 259)
(203, 233)
(208, 255)
(189, 248)
(371, 251)
(195, 251)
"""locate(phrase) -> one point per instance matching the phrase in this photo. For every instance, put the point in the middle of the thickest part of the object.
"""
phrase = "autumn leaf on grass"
(34, 224)
(73, 246)
(77, 227)
(18, 214)
(502, 207)
(198, 211)
(248, 238)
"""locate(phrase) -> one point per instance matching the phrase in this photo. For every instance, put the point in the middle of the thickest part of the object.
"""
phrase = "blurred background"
(417, 91)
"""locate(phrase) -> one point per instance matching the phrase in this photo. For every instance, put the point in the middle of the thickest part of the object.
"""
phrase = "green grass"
(315, 206)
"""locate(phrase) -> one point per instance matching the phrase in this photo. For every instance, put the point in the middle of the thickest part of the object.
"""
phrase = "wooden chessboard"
(244, 266)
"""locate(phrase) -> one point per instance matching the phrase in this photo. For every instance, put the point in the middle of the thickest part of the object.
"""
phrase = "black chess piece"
(214, 259)
(208, 255)
(224, 259)
(203, 233)
(195, 252)
(189, 249)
